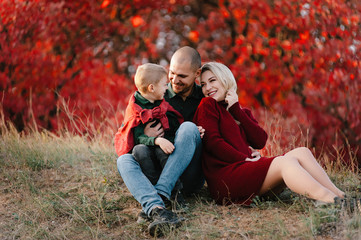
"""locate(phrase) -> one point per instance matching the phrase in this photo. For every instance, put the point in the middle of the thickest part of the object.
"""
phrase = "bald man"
(184, 162)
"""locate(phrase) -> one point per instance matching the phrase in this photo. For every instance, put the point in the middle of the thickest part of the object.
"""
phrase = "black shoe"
(163, 221)
(166, 201)
(143, 218)
(179, 204)
(351, 205)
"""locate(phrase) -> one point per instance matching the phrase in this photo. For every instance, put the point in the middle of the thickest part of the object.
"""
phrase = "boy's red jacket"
(135, 115)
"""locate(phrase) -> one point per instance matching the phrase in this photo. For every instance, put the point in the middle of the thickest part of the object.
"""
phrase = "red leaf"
(105, 3)
(137, 21)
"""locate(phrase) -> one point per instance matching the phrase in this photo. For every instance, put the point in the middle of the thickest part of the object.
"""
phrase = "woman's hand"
(255, 155)
(231, 98)
(254, 159)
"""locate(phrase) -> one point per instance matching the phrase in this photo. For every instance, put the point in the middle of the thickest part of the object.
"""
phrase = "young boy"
(147, 105)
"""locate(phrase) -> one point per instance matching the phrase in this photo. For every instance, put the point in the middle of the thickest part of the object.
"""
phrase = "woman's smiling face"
(212, 87)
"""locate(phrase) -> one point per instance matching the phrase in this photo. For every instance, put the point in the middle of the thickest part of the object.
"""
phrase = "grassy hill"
(68, 187)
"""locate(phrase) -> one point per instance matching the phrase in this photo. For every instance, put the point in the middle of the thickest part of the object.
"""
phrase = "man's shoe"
(163, 221)
(166, 201)
(179, 204)
(350, 205)
(143, 218)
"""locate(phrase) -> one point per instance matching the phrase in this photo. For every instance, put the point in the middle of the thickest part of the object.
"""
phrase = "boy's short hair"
(148, 73)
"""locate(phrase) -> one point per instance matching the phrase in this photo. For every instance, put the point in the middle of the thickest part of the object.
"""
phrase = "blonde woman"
(234, 171)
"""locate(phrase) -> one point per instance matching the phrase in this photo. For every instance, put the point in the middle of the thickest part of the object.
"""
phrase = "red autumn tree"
(81, 53)
(301, 58)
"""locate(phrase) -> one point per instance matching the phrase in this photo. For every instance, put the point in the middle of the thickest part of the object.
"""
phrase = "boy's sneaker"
(163, 221)
(143, 218)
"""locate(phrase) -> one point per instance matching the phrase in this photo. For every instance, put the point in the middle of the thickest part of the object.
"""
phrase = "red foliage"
(82, 53)
(301, 58)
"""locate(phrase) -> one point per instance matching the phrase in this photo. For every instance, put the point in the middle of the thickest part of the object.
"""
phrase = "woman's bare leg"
(309, 163)
(287, 169)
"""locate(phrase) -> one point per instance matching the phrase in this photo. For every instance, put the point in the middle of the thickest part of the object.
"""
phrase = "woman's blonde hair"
(148, 73)
(222, 73)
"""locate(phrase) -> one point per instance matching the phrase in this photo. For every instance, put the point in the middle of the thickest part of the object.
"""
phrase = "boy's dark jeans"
(152, 160)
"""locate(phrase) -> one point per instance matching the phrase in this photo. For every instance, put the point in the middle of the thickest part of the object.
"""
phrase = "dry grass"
(68, 187)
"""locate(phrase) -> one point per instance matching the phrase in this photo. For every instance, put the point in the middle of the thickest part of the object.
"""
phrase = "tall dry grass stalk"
(284, 134)
(100, 127)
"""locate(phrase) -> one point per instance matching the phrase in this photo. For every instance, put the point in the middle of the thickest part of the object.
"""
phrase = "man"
(184, 162)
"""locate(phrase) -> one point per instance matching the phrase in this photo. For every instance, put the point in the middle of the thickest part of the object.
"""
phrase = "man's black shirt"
(185, 107)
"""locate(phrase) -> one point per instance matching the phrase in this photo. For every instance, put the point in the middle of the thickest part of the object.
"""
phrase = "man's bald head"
(184, 69)
(187, 54)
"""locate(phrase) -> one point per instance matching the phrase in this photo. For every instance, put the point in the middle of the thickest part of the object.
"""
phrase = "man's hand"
(156, 131)
(164, 144)
(201, 131)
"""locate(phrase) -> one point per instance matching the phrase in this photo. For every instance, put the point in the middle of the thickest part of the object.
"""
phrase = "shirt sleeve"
(207, 116)
(141, 138)
(256, 135)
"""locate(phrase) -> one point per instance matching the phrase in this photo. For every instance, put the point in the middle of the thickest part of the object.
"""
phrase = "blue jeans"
(184, 162)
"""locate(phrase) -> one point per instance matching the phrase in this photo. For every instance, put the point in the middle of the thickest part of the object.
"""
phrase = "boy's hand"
(156, 131)
(201, 131)
(164, 144)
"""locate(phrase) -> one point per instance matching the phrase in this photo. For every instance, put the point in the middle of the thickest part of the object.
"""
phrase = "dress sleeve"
(256, 135)
(207, 116)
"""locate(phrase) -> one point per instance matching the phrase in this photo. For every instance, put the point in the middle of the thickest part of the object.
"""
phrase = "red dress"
(226, 143)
